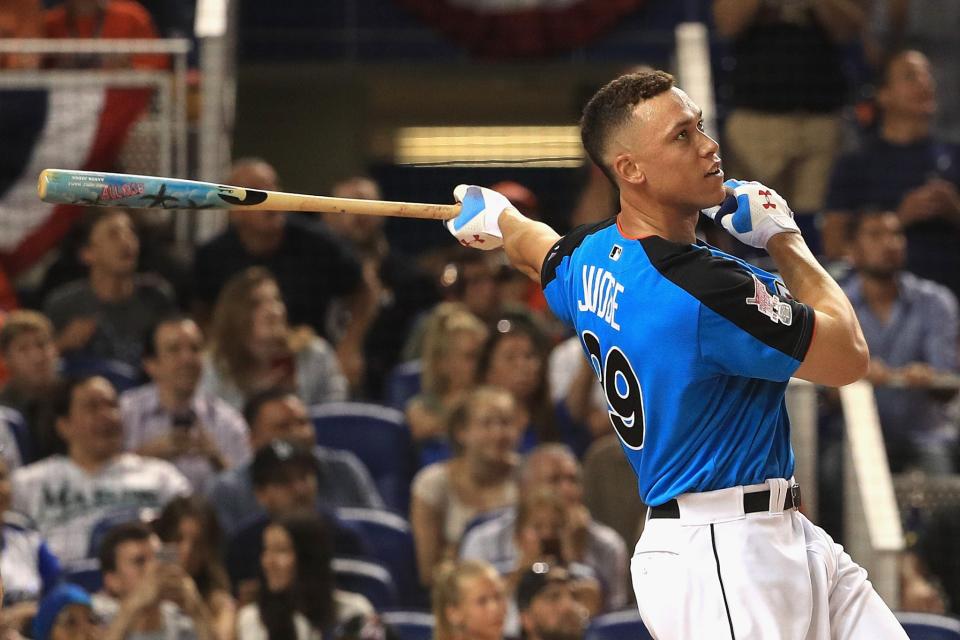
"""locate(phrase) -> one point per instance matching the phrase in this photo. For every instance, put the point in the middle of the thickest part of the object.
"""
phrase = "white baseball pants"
(716, 572)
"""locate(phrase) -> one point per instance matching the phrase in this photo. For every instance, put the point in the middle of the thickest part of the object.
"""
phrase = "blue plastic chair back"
(619, 625)
(929, 626)
(403, 382)
(409, 625)
(391, 544)
(379, 437)
(369, 579)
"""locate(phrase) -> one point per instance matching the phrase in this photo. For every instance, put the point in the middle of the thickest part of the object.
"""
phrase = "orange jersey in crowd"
(118, 19)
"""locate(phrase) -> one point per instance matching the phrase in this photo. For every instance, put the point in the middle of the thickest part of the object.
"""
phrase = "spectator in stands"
(66, 613)
(512, 542)
(66, 495)
(785, 89)
(285, 482)
(20, 19)
(452, 340)
(298, 600)
(911, 326)
(515, 358)
(29, 569)
(605, 469)
(28, 349)
(548, 606)
(144, 596)
(903, 168)
(315, 273)
(471, 278)
(173, 419)
(125, 19)
(483, 431)
(253, 347)
(190, 525)
(469, 602)
(106, 315)
(399, 290)
(278, 414)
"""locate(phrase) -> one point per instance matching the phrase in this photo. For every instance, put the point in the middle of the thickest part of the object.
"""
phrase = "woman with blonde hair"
(480, 477)
(252, 347)
(450, 352)
(469, 602)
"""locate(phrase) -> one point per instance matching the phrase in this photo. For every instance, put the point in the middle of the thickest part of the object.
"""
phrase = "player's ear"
(628, 169)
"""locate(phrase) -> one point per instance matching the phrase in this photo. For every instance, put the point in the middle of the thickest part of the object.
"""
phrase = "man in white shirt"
(67, 495)
(171, 418)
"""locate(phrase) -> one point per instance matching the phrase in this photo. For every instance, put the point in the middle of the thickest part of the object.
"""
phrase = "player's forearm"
(526, 242)
(838, 330)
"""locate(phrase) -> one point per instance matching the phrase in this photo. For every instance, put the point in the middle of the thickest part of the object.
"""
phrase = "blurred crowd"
(295, 430)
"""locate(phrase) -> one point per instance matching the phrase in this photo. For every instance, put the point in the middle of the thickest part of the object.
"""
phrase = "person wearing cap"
(278, 413)
(66, 613)
(548, 606)
(284, 476)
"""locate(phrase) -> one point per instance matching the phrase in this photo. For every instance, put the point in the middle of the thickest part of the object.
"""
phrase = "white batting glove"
(477, 225)
(753, 214)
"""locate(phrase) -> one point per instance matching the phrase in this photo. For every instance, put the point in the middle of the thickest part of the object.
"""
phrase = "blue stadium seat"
(379, 437)
(391, 543)
(369, 579)
(85, 573)
(402, 383)
(929, 626)
(619, 625)
(120, 374)
(409, 625)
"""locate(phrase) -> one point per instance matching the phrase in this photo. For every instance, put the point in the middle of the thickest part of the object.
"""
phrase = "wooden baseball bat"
(95, 188)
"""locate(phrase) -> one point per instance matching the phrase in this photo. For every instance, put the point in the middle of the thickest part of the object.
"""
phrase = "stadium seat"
(409, 625)
(120, 374)
(391, 543)
(619, 625)
(369, 579)
(402, 383)
(929, 626)
(379, 437)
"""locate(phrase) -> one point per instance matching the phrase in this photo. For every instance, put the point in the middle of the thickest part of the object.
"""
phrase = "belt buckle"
(795, 495)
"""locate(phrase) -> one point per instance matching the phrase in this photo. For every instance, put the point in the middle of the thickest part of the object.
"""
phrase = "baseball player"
(694, 349)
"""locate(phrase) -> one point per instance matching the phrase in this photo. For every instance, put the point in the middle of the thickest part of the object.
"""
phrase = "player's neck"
(638, 219)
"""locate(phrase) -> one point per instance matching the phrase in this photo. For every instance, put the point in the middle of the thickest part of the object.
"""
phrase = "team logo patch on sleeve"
(769, 304)
(615, 252)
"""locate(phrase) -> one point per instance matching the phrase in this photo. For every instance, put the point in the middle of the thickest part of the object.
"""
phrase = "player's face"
(32, 360)
(75, 622)
(285, 418)
(279, 559)
(678, 162)
(482, 609)
(491, 433)
(880, 246)
(515, 365)
(555, 614)
(93, 427)
(910, 90)
(113, 246)
(179, 350)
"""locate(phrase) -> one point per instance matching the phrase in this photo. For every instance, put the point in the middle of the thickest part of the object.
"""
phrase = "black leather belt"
(752, 503)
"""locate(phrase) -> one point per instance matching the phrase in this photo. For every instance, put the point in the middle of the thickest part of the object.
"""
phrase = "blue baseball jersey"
(694, 349)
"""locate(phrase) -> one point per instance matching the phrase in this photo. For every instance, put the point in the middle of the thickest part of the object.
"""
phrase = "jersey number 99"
(620, 385)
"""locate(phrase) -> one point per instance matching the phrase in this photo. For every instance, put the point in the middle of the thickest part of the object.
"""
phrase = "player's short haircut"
(134, 531)
(255, 403)
(854, 220)
(612, 106)
(22, 322)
